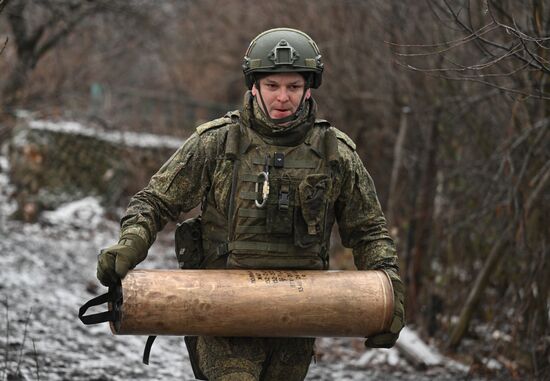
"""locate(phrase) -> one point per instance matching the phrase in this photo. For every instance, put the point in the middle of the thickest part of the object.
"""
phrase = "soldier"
(271, 180)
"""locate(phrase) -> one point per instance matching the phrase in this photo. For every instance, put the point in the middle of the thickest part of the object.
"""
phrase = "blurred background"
(448, 102)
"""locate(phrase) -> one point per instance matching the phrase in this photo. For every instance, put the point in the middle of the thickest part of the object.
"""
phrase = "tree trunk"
(423, 218)
(479, 285)
(397, 160)
(15, 82)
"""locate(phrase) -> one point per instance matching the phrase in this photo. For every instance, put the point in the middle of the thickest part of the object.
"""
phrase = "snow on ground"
(48, 272)
(125, 138)
(84, 213)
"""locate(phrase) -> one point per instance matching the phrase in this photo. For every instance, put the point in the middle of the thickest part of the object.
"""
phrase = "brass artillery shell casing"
(261, 303)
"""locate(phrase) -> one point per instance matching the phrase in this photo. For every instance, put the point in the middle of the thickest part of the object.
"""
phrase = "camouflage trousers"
(254, 359)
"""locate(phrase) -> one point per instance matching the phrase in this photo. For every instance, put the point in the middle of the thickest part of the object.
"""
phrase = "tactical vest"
(271, 206)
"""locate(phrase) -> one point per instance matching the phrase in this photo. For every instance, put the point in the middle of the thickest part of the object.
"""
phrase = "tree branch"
(477, 79)
(484, 40)
(483, 66)
(535, 57)
(71, 25)
(453, 43)
(461, 69)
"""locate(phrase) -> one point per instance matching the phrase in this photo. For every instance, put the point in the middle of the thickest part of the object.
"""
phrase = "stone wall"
(53, 162)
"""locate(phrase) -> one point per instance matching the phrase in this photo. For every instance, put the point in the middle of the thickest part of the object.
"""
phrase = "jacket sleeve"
(363, 228)
(360, 219)
(177, 187)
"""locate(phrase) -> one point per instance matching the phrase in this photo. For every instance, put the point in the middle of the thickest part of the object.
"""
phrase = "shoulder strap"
(331, 147)
(235, 135)
(232, 142)
(330, 141)
(216, 123)
(345, 138)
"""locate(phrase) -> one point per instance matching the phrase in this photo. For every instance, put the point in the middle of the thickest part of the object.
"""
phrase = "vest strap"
(248, 195)
(259, 213)
(289, 163)
(249, 177)
(251, 230)
(260, 246)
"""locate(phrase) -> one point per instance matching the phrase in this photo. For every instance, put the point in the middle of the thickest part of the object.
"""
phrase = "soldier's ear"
(308, 93)
(254, 90)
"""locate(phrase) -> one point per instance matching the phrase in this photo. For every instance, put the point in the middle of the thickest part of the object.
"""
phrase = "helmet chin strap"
(291, 117)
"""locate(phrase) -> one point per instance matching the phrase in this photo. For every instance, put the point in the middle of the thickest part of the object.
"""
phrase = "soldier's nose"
(282, 96)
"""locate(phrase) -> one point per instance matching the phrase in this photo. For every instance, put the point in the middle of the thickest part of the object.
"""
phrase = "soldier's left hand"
(388, 339)
(382, 340)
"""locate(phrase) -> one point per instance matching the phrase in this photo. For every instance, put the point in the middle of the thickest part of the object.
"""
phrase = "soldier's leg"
(288, 359)
(231, 358)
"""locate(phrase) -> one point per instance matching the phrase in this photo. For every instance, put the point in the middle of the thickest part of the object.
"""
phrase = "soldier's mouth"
(282, 112)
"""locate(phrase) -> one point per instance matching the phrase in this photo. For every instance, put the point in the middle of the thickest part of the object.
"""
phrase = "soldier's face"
(281, 93)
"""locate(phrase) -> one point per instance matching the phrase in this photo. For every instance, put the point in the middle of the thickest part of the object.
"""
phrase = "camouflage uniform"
(270, 191)
(202, 172)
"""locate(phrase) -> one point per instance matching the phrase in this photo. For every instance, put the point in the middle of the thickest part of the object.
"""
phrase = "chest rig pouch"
(280, 210)
(188, 242)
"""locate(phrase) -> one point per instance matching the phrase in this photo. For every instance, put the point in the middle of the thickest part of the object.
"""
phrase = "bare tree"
(492, 59)
(506, 52)
(38, 27)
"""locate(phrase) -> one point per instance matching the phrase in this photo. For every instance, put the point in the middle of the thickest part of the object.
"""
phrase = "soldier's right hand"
(114, 262)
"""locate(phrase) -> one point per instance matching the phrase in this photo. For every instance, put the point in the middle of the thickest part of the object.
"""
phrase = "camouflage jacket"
(201, 172)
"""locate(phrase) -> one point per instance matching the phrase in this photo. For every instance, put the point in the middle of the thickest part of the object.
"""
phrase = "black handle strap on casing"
(113, 297)
(147, 349)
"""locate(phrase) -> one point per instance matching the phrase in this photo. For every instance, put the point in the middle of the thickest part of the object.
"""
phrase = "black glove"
(114, 262)
(388, 339)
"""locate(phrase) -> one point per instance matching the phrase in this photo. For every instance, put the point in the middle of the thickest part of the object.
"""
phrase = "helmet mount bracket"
(283, 54)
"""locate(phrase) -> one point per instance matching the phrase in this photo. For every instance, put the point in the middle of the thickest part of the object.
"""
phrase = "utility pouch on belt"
(189, 252)
(190, 255)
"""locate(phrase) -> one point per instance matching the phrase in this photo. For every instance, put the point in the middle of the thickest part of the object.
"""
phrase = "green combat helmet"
(283, 50)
